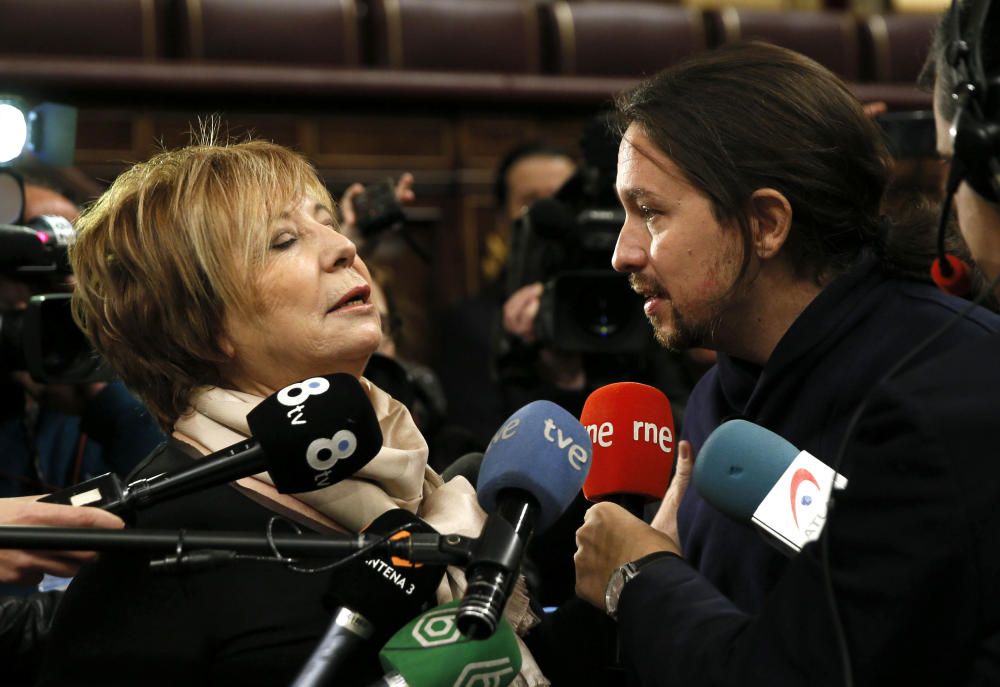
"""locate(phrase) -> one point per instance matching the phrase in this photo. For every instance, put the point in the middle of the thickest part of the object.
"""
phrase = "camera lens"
(601, 307)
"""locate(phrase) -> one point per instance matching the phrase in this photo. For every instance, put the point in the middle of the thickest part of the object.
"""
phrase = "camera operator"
(567, 320)
(55, 434)
(38, 429)
(478, 401)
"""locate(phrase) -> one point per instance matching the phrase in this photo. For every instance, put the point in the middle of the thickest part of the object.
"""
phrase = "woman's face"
(316, 312)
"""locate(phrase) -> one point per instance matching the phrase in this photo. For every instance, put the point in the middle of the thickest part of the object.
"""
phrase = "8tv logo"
(323, 453)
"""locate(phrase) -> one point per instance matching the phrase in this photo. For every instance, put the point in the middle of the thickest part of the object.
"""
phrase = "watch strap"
(622, 575)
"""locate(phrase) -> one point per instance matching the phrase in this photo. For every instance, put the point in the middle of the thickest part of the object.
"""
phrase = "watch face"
(615, 586)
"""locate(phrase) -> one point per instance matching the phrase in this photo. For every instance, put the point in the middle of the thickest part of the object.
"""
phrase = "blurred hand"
(666, 517)
(70, 399)
(27, 567)
(873, 110)
(404, 194)
(609, 538)
(520, 311)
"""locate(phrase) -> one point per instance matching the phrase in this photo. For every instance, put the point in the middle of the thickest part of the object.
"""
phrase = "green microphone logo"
(430, 651)
(487, 674)
(437, 628)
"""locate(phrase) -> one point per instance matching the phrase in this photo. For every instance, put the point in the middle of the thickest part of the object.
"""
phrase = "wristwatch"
(622, 575)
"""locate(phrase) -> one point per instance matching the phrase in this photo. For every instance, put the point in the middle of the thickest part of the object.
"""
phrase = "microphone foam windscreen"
(632, 428)
(540, 449)
(316, 432)
(738, 464)
(431, 651)
(387, 591)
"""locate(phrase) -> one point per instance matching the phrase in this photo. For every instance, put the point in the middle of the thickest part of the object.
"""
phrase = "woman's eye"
(283, 242)
(647, 212)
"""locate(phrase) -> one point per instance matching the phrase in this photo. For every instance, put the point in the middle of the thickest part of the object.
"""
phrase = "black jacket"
(247, 623)
(831, 357)
(914, 549)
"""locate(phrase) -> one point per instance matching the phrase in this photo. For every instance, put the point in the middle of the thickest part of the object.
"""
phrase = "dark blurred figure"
(472, 329)
(492, 362)
(54, 435)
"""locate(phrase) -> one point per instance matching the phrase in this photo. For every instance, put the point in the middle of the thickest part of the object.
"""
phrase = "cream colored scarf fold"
(398, 477)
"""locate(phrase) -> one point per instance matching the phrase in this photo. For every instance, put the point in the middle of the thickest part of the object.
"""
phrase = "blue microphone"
(533, 468)
(750, 473)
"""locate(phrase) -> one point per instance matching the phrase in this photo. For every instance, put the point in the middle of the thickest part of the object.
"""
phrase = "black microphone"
(534, 467)
(466, 466)
(308, 436)
(371, 599)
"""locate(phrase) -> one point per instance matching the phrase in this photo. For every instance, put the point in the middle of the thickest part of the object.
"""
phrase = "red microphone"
(632, 429)
(953, 278)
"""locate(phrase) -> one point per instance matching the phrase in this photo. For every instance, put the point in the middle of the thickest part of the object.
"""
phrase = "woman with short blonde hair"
(210, 278)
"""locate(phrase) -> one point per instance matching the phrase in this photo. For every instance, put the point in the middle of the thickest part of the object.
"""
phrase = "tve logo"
(576, 454)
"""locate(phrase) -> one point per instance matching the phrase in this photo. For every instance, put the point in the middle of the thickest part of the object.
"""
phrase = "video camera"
(42, 339)
(567, 242)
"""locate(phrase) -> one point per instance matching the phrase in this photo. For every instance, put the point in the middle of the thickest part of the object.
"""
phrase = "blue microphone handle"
(496, 562)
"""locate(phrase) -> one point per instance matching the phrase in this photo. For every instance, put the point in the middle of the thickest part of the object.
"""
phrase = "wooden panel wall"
(451, 152)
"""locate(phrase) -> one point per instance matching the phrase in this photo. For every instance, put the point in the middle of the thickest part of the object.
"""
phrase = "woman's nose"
(338, 250)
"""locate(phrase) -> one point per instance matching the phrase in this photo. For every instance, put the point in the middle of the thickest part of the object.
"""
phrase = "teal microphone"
(431, 652)
(750, 473)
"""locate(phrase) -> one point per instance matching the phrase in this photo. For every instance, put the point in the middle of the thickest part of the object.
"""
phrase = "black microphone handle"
(346, 634)
(496, 562)
(420, 547)
(633, 503)
(231, 463)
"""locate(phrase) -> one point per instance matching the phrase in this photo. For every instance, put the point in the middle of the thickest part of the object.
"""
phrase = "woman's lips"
(360, 295)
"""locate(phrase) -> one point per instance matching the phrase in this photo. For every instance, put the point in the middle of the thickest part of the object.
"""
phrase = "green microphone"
(431, 652)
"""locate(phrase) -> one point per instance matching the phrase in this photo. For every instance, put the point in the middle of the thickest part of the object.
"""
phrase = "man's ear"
(772, 221)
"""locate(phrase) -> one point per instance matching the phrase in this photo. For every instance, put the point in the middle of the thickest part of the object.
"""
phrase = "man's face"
(679, 257)
(532, 178)
(978, 219)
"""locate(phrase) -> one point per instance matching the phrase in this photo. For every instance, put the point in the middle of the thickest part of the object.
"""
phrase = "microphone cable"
(203, 559)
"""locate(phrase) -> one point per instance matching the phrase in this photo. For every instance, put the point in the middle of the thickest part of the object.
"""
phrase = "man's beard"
(683, 333)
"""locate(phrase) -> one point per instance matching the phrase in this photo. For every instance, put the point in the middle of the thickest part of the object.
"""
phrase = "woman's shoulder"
(169, 456)
(209, 506)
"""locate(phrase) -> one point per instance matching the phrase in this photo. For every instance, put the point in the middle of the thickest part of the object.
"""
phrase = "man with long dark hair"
(752, 181)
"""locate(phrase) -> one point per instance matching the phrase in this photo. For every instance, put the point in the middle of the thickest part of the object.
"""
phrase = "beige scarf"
(398, 477)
